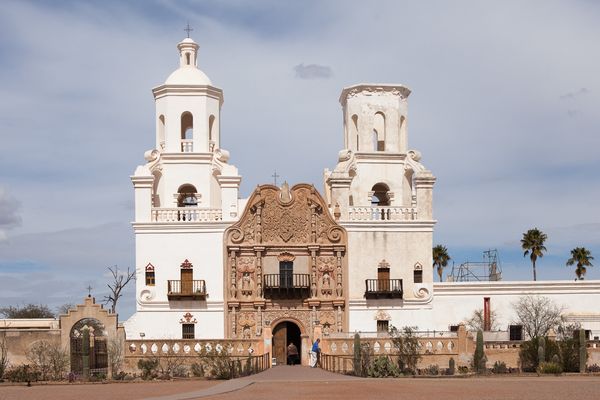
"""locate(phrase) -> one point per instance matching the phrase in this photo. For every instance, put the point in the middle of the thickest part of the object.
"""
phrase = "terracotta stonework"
(285, 226)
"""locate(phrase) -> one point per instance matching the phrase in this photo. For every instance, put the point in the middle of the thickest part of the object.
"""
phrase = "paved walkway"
(279, 374)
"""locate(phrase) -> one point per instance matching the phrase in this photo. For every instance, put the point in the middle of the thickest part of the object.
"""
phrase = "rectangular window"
(418, 275)
(187, 331)
(382, 326)
(286, 274)
(150, 281)
(515, 332)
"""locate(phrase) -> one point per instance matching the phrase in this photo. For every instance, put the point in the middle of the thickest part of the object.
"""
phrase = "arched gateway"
(286, 260)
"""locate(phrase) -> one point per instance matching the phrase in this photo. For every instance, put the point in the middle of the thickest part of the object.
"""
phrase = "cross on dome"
(188, 29)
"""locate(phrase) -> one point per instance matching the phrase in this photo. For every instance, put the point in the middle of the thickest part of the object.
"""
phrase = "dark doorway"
(286, 271)
(285, 333)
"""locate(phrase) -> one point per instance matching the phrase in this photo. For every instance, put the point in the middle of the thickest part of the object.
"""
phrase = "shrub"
(49, 359)
(499, 368)
(382, 367)
(549, 368)
(528, 355)
(22, 373)
(433, 369)
(406, 345)
(463, 369)
(197, 370)
(593, 368)
(148, 366)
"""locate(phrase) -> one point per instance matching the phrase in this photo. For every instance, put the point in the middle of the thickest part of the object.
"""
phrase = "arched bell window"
(381, 196)
(187, 196)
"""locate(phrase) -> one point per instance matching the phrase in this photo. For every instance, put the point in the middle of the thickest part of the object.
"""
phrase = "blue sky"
(503, 109)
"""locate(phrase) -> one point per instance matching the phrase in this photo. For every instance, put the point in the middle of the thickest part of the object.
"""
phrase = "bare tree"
(48, 358)
(477, 320)
(64, 309)
(116, 286)
(115, 355)
(3, 354)
(537, 315)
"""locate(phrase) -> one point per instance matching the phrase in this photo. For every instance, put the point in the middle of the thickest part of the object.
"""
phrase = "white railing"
(187, 145)
(186, 214)
(382, 213)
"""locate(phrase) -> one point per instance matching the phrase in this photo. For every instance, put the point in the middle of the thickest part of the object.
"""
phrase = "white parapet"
(186, 214)
(382, 214)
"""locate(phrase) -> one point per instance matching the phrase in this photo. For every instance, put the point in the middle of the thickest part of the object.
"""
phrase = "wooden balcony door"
(383, 279)
(187, 280)
(286, 274)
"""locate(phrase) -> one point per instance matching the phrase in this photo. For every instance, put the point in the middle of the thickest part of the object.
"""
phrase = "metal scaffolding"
(487, 270)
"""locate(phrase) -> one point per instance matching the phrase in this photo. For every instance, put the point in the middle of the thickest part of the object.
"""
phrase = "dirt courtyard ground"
(571, 387)
(502, 388)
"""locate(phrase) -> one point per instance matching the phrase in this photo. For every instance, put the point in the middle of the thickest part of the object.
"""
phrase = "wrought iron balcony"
(383, 288)
(186, 290)
(286, 286)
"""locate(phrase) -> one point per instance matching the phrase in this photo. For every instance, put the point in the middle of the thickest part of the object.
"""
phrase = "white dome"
(188, 76)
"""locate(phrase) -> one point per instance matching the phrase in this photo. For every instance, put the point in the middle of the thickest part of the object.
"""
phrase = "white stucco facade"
(186, 196)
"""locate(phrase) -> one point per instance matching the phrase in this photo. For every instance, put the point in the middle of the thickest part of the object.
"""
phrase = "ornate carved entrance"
(286, 259)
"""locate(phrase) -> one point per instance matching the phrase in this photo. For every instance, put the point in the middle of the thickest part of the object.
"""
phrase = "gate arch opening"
(285, 333)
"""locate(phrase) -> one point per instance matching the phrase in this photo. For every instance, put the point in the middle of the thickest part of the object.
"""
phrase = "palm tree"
(583, 258)
(440, 258)
(533, 244)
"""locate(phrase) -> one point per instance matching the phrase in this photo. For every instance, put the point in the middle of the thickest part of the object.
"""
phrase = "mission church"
(292, 263)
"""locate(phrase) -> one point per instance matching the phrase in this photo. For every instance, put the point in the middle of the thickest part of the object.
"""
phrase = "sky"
(503, 109)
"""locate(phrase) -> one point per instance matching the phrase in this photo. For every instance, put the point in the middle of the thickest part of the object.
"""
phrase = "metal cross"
(275, 176)
(89, 288)
(188, 29)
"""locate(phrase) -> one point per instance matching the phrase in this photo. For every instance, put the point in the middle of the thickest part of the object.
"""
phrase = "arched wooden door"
(284, 333)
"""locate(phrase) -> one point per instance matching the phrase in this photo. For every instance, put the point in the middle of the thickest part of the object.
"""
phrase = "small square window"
(382, 326)
(515, 332)
(418, 276)
(187, 331)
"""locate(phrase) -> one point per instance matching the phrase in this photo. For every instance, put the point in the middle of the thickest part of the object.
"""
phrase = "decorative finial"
(275, 176)
(188, 29)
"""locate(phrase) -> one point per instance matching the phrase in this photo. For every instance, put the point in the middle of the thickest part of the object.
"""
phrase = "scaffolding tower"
(487, 270)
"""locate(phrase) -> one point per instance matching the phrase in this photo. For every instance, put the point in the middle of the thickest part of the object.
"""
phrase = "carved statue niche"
(326, 266)
(246, 321)
(245, 271)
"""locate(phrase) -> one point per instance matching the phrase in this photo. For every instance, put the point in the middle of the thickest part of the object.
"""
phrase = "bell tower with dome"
(186, 195)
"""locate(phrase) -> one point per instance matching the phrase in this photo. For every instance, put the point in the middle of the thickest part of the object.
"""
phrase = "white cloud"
(313, 71)
(9, 216)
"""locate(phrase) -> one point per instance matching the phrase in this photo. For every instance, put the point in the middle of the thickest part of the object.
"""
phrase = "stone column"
(424, 187)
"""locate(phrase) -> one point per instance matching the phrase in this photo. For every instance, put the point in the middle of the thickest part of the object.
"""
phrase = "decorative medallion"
(186, 264)
(382, 316)
(188, 318)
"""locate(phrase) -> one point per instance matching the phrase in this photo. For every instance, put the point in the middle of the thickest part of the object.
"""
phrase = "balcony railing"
(186, 214)
(186, 290)
(382, 213)
(383, 288)
(187, 145)
(287, 286)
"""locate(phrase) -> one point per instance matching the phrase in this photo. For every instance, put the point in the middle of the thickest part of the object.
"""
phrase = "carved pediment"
(294, 216)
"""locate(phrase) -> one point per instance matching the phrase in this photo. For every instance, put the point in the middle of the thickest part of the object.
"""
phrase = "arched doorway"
(97, 354)
(284, 333)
